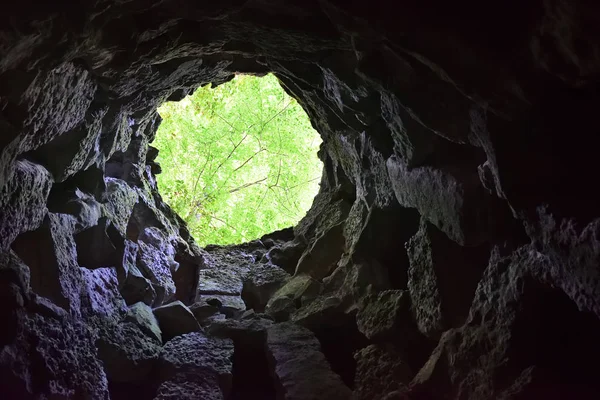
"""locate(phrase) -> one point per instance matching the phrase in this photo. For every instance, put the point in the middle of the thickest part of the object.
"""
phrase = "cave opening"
(442, 130)
(237, 160)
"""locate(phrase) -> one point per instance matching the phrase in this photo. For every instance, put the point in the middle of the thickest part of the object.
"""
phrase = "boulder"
(65, 354)
(137, 288)
(453, 199)
(260, 283)
(320, 259)
(51, 255)
(156, 265)
(205, 362)
(386, 315)
(141, 314)
(128, 353)
(175, 319)
(229, 305)
(380, 370)
(23, 201)
(220, 281)
(442, 279)
(289, 297)
(301, 369)
(190, 386)
(100, 294)
(202, 310)
(287, 255)
(95, 248)
(120, 199)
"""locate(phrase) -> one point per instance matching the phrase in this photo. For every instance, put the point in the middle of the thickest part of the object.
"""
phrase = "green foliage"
(238, 161)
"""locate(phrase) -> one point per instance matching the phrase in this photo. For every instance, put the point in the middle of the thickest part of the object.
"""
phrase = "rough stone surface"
(300, 367)
(23, 201)
(127, 352)
(260, 284)
(380, 370)
(385, 314)
(141, 315)
(442, 279)
(205, 362)
(465, 129)
(175, 319)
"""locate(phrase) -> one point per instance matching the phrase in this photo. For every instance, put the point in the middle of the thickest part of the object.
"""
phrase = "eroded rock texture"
(452, 252)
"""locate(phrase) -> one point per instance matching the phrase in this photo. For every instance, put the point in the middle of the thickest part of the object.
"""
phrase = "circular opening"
(238, 161)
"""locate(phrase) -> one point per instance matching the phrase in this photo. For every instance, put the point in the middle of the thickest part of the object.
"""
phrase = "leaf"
(238, 161)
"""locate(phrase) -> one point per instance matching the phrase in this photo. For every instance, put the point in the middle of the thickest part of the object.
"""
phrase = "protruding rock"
(127, 352)
(260, 283)
(156, 266)
(452, 199)
(94, 247)
(287, 255)
(219, 281)
(300, 367)
(141, 314)
(194, 363)
(385, 314)
(288, 298)
(23, 201)
(380, 370)
(229, 305)
(50, 253)
(137, 288)
(101, 296)
(202, 310)
(190, 386)
(442, 279)
(321, 258)
(175, 319)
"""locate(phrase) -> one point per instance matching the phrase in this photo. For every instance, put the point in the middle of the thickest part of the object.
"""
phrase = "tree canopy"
(239, 160)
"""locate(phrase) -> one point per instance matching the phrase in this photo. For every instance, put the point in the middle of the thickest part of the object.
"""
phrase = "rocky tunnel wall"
(451, 252)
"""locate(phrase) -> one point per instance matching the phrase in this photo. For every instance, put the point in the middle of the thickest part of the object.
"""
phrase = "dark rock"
(141, 314)
(50, 253)
(205, 362)
(241, 330)
(203, 310)
(219, 281)
(449, 198)
(380, 370)
(190, 386)
(83, 206)
(513, 305)
(287, 299)
(156, 266)
(260, 283)
(120, 199)
(287, 255)
(127, 352)
(101, 296)
(175, 319)
(385, 314)
(12, 269)
(94, 247)
(301, 369)
(442, 279)
(23, 201)
(63, 361)
(137, 288)
(228, 305)
(321, 258)
(478, 119)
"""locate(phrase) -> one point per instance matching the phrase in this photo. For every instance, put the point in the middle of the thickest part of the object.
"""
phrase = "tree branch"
(247, 185)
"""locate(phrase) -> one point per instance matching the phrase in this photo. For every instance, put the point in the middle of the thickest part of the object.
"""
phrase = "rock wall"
(451, 253)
